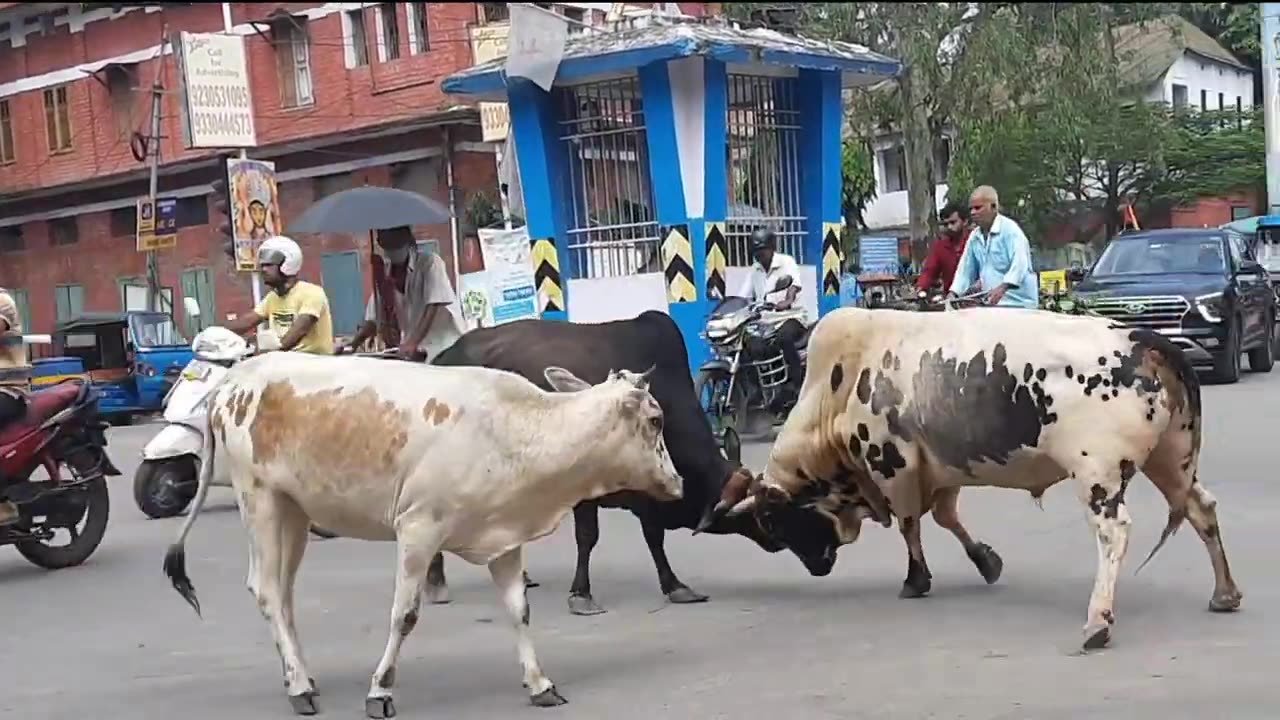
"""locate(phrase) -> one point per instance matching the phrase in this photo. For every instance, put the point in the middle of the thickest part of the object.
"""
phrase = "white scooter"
(167, 479)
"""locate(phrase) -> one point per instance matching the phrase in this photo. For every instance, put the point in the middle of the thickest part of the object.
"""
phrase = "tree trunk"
(917, 141)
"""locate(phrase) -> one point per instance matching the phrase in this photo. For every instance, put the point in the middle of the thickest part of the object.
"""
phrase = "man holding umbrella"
(413, 306)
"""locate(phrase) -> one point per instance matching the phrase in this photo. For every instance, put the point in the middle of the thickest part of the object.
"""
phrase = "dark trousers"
(789, 334)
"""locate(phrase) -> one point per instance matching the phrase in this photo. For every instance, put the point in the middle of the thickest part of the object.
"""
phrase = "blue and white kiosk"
(660, 148)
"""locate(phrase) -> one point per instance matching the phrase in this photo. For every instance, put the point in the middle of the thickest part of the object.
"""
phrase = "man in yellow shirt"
(295, 310)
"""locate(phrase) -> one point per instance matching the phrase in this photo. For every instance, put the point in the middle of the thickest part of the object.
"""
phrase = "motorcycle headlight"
(1212, 307)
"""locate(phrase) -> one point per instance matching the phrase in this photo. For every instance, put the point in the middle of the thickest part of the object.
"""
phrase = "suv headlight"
(1212, 307)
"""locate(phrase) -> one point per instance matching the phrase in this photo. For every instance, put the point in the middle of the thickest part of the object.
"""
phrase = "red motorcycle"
(61, 429)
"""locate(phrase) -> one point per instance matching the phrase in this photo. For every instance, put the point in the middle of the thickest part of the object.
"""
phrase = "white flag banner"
(536, 44)
(509, 175)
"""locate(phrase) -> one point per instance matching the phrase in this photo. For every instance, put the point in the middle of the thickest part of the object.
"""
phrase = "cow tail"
(175, 560)
(1172, 358)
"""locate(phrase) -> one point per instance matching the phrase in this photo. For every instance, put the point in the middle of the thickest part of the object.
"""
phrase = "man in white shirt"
(769, 268)
(414, 305)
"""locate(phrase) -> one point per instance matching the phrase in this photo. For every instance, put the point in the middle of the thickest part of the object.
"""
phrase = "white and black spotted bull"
(436, 459)
(900, 410)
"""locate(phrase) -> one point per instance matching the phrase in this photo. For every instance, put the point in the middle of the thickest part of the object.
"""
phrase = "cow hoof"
(1096, 638)
(304, 704)
(529, 583)
(987, 561)
(437, 594)
(548, 698)
(584, 605)
(1226, 601)
(686, 596)
(379, 707)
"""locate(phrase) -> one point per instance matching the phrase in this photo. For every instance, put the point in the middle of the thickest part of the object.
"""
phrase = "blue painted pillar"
(542, 177)
(821, 115)
(674, 118)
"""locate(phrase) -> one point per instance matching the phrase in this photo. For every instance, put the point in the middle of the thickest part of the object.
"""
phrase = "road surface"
(112, 640)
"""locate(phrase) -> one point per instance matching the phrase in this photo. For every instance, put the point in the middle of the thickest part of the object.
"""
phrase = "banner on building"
(217, 104)
(254, 206)
(536, 44)
(495, 121)
(508, 274)
(157, 224)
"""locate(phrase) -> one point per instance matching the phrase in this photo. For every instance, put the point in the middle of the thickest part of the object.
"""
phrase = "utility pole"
(227, 27)
(157, 106)
(1271, 100)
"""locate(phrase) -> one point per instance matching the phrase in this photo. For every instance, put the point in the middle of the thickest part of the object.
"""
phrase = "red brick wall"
(344, 99)
(98, 261)
(1213, 212)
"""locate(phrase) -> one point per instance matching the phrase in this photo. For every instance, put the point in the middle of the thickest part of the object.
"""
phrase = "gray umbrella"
(365, 209)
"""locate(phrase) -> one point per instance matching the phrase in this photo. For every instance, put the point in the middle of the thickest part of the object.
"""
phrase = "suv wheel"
(1227, 365)
(1263, 357)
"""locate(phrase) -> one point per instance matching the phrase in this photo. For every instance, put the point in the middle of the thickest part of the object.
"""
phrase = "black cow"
(590, 351)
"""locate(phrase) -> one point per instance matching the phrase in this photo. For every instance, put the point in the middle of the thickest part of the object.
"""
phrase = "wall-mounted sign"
(157, 224)
(217, 107)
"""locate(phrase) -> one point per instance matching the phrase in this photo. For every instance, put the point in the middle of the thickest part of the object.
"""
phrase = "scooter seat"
(41, 405)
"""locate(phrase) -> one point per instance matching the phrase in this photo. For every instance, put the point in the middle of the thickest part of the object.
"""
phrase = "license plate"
(197, 370)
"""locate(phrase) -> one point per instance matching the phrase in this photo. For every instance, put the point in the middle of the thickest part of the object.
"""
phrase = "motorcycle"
(747, 375)
(61, 428)
(167, 478)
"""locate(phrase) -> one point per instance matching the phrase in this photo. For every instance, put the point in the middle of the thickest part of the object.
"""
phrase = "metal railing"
(764, 165)
(613, 230)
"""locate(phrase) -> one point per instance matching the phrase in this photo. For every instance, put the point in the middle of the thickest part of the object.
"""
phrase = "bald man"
(997, 258)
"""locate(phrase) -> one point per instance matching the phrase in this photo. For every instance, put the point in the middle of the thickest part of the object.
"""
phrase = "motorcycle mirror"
(192, 306)
(783, 283)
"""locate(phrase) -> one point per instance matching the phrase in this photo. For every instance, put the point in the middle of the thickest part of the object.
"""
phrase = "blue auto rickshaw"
(131, 358)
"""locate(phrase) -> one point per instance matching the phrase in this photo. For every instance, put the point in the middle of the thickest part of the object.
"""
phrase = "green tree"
(859, 180)
(1211, 154)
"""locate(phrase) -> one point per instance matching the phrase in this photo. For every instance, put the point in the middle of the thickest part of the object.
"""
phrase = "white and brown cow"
(472, 461)
(900, 410)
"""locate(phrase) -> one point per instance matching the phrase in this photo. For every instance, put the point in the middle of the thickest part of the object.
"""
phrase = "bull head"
(742, 494)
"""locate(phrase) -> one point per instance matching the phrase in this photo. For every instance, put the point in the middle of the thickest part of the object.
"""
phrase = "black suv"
(1202, 288)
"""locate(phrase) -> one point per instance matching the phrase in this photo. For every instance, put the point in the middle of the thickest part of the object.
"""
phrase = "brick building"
(344, 94)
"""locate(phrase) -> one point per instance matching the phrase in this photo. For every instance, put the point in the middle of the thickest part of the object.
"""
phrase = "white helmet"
(282, 250)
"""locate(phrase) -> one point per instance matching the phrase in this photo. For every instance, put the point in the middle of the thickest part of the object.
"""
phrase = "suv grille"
(1163, 311)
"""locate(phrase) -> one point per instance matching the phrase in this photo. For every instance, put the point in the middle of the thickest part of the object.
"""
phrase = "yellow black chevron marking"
(546, 274)
(717, 260)
(831, 258)
(677, 264)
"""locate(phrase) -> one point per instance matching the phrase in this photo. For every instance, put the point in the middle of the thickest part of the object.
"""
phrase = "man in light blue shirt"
(997, 257)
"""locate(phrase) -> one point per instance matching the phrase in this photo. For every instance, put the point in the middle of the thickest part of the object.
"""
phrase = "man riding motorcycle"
(15, 378)
(769, 267)
(296, 310)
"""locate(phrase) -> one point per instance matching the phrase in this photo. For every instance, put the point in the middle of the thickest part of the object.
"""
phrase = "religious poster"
(254, 206)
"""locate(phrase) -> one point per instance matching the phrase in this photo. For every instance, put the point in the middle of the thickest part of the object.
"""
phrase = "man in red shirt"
(944, 256)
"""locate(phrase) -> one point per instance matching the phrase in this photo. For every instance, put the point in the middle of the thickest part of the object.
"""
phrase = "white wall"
(602, 299)
(1198, 73)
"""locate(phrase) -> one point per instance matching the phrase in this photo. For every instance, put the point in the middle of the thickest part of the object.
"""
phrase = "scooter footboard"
(173, 441)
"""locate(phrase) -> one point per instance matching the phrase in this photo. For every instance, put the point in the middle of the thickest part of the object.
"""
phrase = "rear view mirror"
(191, 306)
(783, 283)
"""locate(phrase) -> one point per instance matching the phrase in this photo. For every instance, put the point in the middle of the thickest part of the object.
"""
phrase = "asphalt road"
(112, 640)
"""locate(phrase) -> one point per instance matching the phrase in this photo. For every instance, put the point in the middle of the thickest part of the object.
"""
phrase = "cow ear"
(563, 380)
